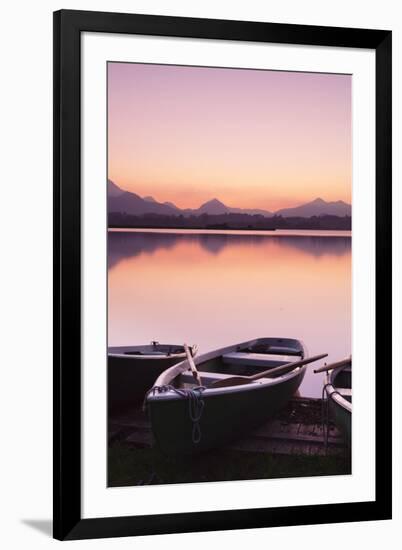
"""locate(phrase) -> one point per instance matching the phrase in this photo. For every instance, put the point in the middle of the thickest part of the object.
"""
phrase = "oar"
(333, 366)
(240, 380)
(193, 368)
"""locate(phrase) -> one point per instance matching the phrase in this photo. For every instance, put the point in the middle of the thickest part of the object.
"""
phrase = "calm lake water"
(219, 288)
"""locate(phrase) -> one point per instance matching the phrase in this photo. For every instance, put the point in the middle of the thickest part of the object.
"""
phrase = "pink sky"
(250, 138)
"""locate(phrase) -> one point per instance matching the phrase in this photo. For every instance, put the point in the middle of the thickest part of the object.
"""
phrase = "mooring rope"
(196, 405)
(325, 414)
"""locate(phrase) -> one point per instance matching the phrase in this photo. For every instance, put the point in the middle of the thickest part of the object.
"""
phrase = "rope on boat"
(325, 410)
(196, 405)
(325, 415)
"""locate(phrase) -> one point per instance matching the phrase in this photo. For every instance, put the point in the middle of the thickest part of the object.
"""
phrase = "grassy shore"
(133, 466)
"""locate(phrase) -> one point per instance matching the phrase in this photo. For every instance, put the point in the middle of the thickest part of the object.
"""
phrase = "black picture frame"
(68, 26)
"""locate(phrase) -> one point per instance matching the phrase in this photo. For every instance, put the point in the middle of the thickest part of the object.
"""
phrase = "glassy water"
(216, 289)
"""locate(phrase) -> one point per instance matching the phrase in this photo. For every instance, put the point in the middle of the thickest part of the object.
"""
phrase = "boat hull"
(342, 418)
(129, 378)
(225, 416)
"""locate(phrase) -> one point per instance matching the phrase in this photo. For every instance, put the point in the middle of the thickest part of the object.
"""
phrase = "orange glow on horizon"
(246, 196)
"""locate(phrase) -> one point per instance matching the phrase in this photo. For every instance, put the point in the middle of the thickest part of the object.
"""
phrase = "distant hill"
(113, 190)
(151, 199)
(318, 207)
(125, 202)
(212, 207)
(215, 207)
(172, 205)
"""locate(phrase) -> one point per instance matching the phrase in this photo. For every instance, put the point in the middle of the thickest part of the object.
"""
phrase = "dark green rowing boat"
(187, 417)
(133, 369)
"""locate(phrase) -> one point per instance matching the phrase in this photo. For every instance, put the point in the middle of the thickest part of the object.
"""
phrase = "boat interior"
(246, 361)
(342, 382)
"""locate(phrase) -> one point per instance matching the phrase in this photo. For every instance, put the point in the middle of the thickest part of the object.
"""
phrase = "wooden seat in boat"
(250, 359)
(273, 350)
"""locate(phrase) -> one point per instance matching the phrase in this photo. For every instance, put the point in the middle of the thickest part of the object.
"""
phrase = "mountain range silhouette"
(126, 202)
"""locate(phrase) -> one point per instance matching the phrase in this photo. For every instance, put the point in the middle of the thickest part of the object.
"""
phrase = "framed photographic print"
(222, 209)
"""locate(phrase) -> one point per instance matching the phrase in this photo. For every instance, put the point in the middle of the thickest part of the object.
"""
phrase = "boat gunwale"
(332, 390)
(161, 356)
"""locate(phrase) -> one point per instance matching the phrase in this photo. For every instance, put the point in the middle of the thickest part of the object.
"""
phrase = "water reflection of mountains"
(124, 245)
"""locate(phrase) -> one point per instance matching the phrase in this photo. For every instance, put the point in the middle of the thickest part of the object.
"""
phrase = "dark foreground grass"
(133, 466)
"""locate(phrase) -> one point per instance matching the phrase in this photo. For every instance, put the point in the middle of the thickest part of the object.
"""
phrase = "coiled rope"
(196, 405)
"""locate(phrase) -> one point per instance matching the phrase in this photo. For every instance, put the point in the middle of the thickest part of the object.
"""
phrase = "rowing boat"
(188, 418)
(133, 369)
(338, 389)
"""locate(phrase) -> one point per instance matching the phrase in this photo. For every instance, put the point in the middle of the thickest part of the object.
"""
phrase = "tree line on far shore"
(228, 221)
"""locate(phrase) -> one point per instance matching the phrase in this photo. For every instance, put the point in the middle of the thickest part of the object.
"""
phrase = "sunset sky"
(251, 138)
